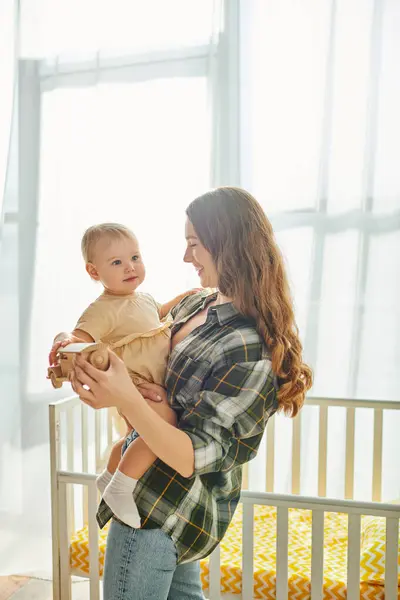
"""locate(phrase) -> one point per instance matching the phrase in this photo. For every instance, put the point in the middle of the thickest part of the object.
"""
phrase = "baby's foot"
(119, 497)
(103, 480)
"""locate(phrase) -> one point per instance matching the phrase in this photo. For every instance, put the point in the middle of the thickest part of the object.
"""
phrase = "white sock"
(103, 480)
(118, 495)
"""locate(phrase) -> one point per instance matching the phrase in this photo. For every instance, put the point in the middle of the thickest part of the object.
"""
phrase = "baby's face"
(117, 263)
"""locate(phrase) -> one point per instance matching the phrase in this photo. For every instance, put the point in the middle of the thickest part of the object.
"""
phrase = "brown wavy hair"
(233, 227)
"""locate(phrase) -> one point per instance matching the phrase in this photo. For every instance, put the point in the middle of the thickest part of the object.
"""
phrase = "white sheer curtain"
(8, 48)
(320, 147)
(10, 430)
(114, 124)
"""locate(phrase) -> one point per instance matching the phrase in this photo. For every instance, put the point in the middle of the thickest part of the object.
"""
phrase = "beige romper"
(131, 326)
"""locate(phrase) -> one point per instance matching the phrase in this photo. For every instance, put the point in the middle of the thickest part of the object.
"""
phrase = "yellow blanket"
(335, 555)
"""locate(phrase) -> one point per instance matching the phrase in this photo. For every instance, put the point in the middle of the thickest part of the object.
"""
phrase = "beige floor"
(24, 588)
(10, 585)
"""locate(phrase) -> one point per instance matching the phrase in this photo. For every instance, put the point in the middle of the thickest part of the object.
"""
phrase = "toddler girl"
(136, 327)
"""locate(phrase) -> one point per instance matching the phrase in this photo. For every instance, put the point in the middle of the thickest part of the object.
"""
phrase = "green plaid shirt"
(220, 383)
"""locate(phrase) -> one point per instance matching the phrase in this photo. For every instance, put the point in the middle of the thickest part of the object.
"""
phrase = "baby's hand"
(61, 342)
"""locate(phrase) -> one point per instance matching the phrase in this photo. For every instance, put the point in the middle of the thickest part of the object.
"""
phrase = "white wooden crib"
(80, 438)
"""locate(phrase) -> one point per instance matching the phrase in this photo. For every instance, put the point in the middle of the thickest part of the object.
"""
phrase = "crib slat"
(282, 537)
(93, 545)
(353, 557)
(377, 460)
(215, 574)
(70, 467)
(322, 450)
(317, 555)
(109, 428)
(84, 438)
(85, 456)
(296, 450)
(350, 435)
(245, 477)
(270, 455)
(97, 439)
(70, 438)
(391, 558)
(248, 550)
(54, 422)
(65, 577)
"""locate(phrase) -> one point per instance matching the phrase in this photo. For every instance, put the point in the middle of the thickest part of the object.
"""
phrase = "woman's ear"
(93, 272)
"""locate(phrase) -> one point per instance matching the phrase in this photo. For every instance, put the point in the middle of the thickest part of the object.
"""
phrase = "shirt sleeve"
(229, 416)
(97, 321)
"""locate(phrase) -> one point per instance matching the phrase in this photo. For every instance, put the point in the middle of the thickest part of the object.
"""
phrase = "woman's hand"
(102, 389)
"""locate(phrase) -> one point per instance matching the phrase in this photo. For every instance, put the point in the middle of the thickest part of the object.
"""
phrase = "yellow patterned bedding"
(335, 555)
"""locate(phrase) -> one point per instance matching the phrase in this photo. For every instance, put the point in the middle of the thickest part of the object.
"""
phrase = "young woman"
(235, 359)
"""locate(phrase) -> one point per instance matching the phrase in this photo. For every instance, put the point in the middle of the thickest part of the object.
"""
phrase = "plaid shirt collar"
(225, 313)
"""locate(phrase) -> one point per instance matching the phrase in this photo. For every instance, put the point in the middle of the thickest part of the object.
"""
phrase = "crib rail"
(318, 507)
(80, 455)
(104, 436)
(325, 405)
(79, 438)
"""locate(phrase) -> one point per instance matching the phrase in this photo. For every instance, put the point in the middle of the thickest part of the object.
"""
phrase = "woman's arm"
(222, 429)
(115, 388)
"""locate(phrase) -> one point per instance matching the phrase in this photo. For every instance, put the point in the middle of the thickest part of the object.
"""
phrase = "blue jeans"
(140, 564)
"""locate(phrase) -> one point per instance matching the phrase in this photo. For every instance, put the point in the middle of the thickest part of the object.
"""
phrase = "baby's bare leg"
(115, 456)
(136, 460)
(105, 477)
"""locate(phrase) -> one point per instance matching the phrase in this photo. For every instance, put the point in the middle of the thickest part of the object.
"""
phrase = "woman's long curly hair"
(233, 227)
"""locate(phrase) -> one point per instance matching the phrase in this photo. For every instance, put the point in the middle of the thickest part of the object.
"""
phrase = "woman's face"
(200, 258)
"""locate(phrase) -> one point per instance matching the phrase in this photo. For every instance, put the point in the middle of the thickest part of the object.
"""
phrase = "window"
(133, 153)
(320, 134)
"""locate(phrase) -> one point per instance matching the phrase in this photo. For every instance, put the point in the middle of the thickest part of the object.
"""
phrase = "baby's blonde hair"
(95, 233)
